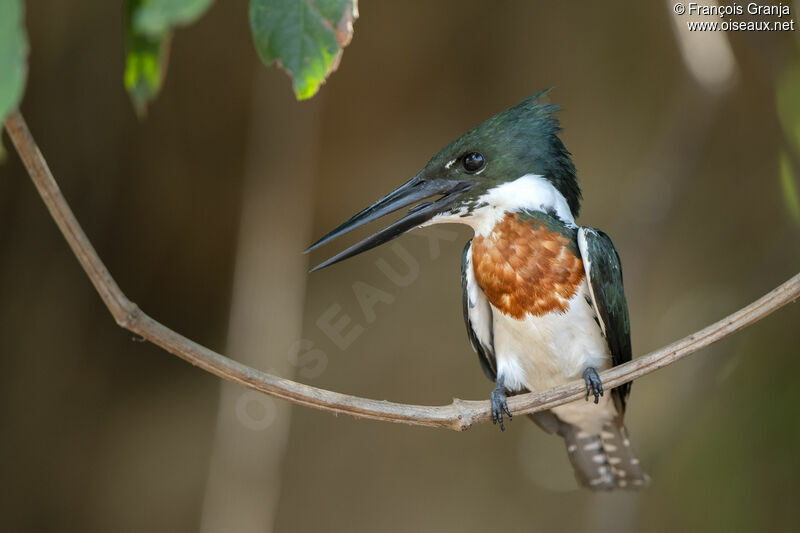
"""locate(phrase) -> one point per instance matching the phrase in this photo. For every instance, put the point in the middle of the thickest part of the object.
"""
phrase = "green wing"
(604, 275)
(477, 316)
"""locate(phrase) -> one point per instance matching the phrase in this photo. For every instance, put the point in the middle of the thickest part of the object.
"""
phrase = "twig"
(459, 415)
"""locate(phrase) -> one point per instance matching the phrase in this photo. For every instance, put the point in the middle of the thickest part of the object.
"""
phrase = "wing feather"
(604, 276)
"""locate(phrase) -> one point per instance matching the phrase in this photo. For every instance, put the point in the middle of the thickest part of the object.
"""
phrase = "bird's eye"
(473, 162)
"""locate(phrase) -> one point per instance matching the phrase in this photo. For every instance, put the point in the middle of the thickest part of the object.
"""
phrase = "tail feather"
(603, 461)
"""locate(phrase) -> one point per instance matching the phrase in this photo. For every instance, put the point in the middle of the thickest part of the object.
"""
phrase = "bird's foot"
(593, 384)
(499, 405)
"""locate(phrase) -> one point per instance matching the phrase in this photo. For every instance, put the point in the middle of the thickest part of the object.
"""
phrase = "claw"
(594, 386)
(499, 404)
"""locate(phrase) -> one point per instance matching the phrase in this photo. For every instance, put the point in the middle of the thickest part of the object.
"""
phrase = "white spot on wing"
(587, 265)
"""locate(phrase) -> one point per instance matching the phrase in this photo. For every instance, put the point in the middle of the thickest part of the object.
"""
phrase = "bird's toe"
(594, 386)
(499, 405)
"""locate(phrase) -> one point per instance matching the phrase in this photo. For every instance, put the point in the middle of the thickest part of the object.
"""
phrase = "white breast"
(539, 353)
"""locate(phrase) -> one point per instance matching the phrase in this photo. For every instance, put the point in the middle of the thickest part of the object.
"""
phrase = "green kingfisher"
(543, 298)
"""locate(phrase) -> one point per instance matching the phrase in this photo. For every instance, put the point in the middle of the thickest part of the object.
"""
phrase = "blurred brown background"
(202, 209)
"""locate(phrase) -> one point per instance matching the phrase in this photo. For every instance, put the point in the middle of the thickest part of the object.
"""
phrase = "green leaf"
(145, 66)
(791, 196)
(148, 33)
(13, 55)
(305, 37)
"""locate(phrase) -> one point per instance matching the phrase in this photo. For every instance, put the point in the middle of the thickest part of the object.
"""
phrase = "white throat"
(531, 192)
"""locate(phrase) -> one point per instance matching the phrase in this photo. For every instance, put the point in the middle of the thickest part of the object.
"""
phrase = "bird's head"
(519, 142)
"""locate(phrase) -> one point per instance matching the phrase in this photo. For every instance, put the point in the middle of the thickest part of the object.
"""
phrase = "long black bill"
(413, 191)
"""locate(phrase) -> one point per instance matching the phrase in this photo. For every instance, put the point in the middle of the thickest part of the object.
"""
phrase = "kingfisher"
(542, 298)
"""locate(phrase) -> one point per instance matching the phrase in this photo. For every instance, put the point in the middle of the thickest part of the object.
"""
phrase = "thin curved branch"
(459, 415)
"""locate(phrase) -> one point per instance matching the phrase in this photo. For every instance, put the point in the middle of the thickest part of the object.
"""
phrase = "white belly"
(539, 353)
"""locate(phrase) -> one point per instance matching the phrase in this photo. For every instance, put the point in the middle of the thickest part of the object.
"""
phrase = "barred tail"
(603, 461)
